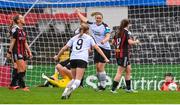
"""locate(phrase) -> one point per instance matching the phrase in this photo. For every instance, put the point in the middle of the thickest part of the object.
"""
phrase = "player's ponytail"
(124, 24)
(96, 13)
(83, 29)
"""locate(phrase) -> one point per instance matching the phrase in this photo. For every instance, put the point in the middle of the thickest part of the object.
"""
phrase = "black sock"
(14, 77)
(128, 84)
(21, 81)
(114, 85)
(81, 84)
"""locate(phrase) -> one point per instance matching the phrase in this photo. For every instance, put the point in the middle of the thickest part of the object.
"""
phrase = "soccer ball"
(172, 87)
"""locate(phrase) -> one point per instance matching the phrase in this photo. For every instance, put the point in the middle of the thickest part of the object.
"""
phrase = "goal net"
(51, 23)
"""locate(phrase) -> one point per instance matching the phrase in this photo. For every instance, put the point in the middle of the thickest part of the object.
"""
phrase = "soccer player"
(17, 49)
(79, 57)
(101, 34)
(13, 84)
(122, 42)
(168, 79)
(63, 69)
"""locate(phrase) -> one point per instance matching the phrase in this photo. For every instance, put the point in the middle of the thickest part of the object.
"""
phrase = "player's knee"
(128, 72)
(59, 67)
(118, 75)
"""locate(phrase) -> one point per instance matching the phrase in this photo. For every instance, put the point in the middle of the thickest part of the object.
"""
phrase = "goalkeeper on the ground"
(62, 69)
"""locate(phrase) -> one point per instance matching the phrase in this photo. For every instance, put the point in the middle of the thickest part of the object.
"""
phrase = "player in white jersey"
(79, 57)
(101, 34)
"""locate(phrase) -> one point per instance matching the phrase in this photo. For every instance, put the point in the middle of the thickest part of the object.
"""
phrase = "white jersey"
(99, 33)
(80, 46)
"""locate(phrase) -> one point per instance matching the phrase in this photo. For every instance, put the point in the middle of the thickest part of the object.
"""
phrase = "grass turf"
(86, 96)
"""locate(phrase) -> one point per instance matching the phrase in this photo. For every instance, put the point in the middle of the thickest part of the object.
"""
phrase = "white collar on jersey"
(16, 26)
(126, 29)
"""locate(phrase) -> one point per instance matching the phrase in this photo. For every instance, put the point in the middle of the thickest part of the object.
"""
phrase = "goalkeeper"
(168, 79)
(62, 69)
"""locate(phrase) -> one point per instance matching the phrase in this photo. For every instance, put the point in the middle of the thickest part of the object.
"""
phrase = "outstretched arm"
(56, 57)
(82, 18)
(101, 53)
(132, 42)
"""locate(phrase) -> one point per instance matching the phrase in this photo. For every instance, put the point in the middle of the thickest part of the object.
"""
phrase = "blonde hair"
(83, 29)
(96, 13)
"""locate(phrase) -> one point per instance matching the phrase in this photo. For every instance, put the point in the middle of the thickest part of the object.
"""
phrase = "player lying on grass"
(62, 69)
(169, 79)
(80, 44)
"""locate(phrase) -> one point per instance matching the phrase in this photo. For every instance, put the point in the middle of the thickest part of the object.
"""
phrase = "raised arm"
(82, 18)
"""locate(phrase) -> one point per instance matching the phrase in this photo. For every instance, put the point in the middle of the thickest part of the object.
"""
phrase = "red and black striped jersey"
(121, 44)
(20, 36)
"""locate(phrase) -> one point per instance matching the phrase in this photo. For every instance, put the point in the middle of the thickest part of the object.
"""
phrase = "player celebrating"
(17, 49)
(101, 34)
(63, 69)
(122, 42)
(79, 57)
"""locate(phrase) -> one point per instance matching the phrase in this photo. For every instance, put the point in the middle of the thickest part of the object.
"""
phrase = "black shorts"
(124, 62)
(66, 64)
(98, 58)
(78, 63)
(19, 57)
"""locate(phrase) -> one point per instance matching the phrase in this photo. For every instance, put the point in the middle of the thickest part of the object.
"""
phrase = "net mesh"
(51, 23)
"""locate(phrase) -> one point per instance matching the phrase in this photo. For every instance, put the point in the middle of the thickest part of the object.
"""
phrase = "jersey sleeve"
(107, 29)
(14, 33)
(70, 42)
(77, 31)
(92, 42)
(89, 22)
(128, 34)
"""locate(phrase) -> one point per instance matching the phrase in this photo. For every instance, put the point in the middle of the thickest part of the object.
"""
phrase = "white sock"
(76, 84)
(55, 70)
(102, 78)
(65, 91)
(70, 83)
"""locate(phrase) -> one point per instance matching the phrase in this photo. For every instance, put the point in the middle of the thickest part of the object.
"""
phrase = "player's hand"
(30, 55)
(137, 41)
(8, 56)
(56, 58)
(106, 60)
(102, 42)
(77, 10)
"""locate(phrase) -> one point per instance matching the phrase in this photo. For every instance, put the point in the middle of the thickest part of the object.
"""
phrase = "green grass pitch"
(86, 96)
